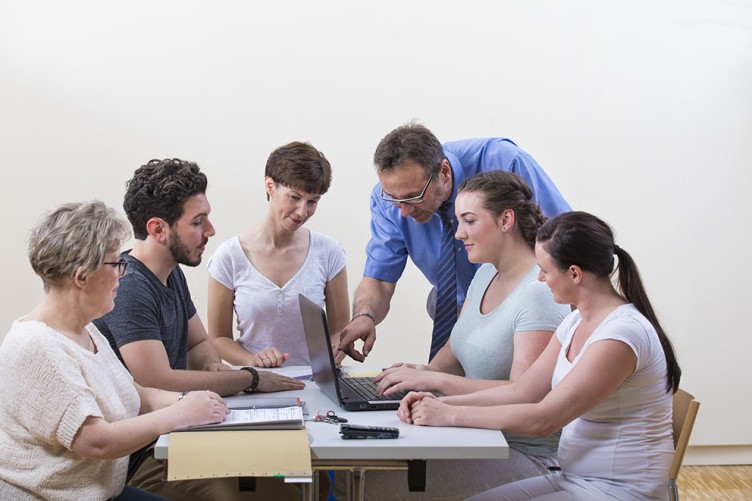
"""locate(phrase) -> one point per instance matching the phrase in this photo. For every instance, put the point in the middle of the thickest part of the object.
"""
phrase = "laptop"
(351, 393)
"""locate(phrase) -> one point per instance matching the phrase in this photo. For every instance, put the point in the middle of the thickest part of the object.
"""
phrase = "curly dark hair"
(160, 189)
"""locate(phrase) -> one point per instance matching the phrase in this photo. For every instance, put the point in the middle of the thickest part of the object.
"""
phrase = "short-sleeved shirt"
(147, 309)
(394, 238)
(483, 343)
(269, 315)
(626, 440)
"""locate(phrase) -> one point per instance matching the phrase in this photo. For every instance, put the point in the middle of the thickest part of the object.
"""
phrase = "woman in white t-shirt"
(257, 275)
(606, 377)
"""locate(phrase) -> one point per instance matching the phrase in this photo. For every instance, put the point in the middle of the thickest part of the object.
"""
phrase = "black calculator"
(354, 431)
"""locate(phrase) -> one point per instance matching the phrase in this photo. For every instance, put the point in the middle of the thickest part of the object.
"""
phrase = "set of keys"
(329, 417)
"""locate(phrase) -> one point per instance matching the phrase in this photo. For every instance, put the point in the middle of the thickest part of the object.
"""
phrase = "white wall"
(640, 111)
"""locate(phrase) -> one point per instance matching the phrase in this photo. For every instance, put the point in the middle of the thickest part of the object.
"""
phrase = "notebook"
(263, 418)
(351, 393)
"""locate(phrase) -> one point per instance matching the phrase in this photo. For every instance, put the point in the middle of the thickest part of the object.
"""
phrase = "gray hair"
(74, 235)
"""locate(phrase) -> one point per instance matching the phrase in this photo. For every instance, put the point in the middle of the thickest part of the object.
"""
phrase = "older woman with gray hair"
(71, 412)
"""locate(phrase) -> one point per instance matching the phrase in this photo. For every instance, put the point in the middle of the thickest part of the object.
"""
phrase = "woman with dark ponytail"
(607, 377)
(581, 239)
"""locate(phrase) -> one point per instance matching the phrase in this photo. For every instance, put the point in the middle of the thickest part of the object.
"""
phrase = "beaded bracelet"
(254, 382)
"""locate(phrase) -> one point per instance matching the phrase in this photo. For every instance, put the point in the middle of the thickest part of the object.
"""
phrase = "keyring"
(329, 417)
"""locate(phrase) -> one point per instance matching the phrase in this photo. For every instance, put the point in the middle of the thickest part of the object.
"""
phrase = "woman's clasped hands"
(425, 409)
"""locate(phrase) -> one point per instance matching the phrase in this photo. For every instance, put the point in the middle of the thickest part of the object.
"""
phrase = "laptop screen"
(319, 349)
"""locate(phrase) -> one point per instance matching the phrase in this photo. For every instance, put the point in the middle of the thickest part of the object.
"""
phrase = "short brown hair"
(301, 167)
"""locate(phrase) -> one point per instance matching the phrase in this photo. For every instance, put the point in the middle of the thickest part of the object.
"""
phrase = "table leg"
(416, 475)
(309, 490)
(354, 472)
(356, 484)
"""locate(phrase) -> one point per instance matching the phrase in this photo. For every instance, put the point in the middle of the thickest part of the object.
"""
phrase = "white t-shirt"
(626, 440)
(268, 315)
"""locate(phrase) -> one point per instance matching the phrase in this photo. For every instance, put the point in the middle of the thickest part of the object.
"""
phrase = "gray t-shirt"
(146, 309)
(484, 343)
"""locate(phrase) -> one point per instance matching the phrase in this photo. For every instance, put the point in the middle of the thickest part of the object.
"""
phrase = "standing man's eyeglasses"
(120, 265)
(410, 200)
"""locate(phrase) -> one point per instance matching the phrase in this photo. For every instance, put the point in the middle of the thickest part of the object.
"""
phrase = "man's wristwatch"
(254, 381)
(364, 314)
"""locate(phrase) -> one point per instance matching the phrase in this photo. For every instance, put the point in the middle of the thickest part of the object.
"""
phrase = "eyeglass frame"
(121, 265)
(410, 200)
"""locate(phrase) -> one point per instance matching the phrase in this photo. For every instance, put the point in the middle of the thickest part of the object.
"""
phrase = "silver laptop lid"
(319, 349)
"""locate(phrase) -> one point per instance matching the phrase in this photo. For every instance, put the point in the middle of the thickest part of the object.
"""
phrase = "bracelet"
(254, 382)
(364, 314)
(183, 394)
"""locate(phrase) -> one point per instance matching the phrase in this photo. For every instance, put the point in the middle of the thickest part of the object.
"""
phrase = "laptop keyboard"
(366, 388)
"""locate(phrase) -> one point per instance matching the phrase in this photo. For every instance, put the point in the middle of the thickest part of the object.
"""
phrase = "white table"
(414, 445)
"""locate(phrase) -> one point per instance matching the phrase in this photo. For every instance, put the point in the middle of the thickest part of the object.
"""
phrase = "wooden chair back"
(684, 414)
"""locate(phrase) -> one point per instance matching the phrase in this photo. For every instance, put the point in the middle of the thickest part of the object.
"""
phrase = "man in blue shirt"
(417, 176)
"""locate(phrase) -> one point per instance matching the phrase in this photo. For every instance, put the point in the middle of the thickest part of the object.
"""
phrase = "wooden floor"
(715, 483)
